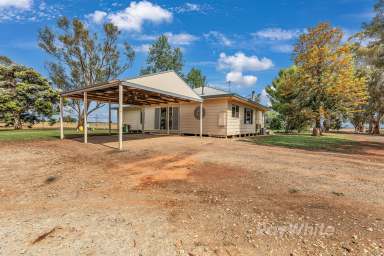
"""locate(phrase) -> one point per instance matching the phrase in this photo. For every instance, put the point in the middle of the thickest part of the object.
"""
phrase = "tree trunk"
(80, 121)
(317, 129)
(376, 124)
(362, 127)
(327, 125)
(17, 123)
(376, 128)
(370, 127)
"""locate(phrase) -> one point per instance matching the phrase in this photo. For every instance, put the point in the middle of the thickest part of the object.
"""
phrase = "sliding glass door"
(161, 118)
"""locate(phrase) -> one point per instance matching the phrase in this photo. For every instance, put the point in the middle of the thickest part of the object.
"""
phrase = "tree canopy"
(83, 58)
(326, 74)
(162, 57)
(283, 93)
(195, 78)
(372, 56)
(25, 96)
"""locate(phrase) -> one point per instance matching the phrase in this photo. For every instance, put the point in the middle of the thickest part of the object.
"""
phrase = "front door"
(161, 118)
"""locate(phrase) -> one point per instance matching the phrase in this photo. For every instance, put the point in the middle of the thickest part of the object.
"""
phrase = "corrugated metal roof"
(210, 92)
(167, 81)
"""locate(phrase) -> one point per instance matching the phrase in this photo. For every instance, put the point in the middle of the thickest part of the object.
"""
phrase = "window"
(235, 111)
(248, 116)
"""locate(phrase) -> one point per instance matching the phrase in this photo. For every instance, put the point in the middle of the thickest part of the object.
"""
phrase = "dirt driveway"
(183, 196)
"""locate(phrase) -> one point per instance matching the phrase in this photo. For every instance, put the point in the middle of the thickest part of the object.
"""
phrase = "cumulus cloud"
(19, 4)
(218, 38)
(97, 16)
(180, 39)
(238, 78)
(241, 62)
(238, 63)
(134, 16)
(278, 34)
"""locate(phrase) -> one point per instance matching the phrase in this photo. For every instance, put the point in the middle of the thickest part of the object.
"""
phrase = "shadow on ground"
(111, 140)
(327, 143)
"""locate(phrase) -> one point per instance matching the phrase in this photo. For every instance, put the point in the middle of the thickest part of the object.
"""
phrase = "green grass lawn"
(329, 142)
(43, 134)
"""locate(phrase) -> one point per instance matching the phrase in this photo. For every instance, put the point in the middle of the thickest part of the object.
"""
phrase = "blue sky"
(245, 42)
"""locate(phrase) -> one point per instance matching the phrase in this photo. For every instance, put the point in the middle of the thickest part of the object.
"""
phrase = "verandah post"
(85, 118)
(201, 120)
(109, 118)
(61, 118)
(120, 117)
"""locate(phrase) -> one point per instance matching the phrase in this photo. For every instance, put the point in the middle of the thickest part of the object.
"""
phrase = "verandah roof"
(160, 88)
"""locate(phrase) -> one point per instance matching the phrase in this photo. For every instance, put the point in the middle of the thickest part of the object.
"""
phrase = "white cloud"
(278, 34)
(264, 98)
(21, 11)
(283, 48)
(238, 63)
(134, 16)
(238, 78)
(19, 4)
(192, 7)
(144, 48)
(145, 37)
(180, 39)
(218, 38)
(188, 7)
(241, 62)
(97, 17)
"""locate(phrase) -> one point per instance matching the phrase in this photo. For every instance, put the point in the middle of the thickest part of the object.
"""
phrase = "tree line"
(332, 80)
(79, 58)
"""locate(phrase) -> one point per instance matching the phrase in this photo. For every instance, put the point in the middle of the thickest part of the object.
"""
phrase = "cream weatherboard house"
(225, 114)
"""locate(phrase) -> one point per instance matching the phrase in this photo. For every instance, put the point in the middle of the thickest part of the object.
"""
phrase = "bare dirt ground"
(182, 196)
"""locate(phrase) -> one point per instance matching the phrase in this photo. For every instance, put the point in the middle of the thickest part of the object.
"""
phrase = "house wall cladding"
(237, 126)
(218, 120)
(131, 117)
(214, 109)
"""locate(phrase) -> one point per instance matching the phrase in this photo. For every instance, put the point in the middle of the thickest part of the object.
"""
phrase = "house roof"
(211, 92)
(168, 82)
(158, 88)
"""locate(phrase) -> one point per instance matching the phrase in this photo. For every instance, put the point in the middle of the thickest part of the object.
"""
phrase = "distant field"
(69, 125)
(43, 134)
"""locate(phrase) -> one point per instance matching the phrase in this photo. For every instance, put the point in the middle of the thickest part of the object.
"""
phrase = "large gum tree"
(82, 58)
(326, 74)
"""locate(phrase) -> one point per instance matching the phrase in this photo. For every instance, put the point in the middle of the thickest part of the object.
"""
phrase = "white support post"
(109, 118)
(61, 118)
(120, 117)
(85, 118)
(167, 119)
(179, 119)
(143, 120)
(201, 120)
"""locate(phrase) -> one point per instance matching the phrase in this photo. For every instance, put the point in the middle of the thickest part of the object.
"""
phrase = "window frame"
(248, 116)
(235, 111)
